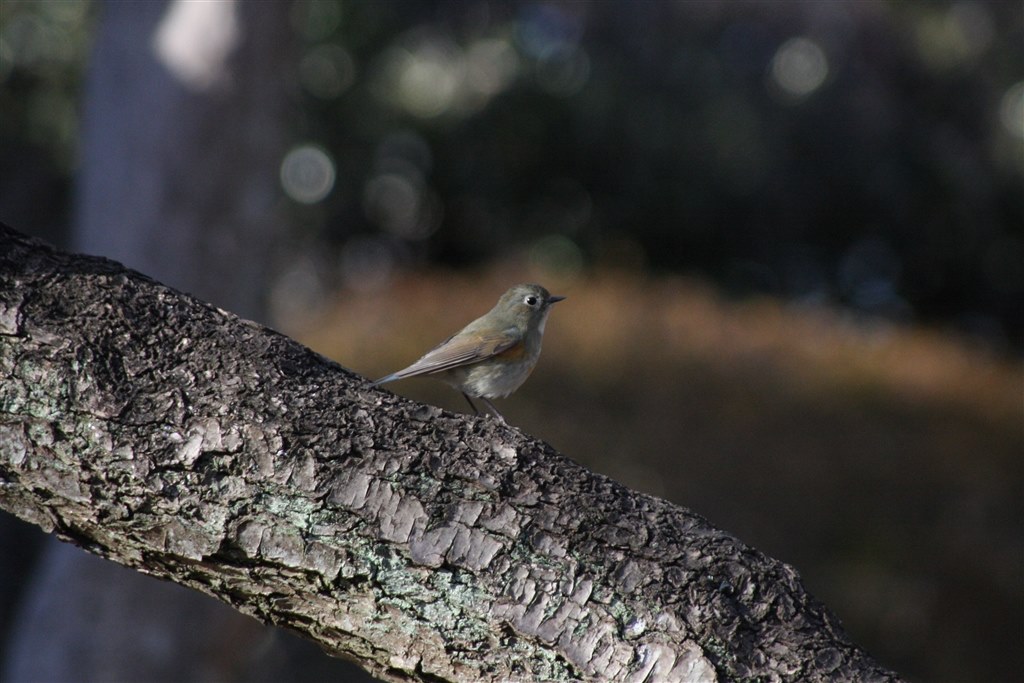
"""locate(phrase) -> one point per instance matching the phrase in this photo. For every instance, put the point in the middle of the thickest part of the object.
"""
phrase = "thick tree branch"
(173, 437)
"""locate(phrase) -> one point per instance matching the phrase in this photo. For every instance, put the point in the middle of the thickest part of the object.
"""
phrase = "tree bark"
(175, 438)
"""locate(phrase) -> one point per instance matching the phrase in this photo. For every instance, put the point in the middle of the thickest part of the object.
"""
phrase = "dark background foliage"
(863, 153)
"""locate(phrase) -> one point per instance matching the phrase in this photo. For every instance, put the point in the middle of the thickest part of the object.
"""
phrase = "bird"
(493, 355)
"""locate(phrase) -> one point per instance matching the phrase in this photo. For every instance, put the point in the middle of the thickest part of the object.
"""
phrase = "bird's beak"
(555, 299)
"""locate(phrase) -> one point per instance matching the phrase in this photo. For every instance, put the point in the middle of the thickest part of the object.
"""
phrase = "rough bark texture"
(173, 437)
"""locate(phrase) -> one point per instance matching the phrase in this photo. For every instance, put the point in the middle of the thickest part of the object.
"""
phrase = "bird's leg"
(497, 413)
(472, 405)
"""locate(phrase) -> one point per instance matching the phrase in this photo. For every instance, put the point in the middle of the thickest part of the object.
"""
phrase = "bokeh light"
(1011, 109)
(427, 74)
(954, 37)
(799, 67)
(307, 174)
(492, 65)
(422, 77)
(195, 39)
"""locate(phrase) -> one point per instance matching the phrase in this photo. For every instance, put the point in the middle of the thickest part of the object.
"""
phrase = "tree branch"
(170, 436)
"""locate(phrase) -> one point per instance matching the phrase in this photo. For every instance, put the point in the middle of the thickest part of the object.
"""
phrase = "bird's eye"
(531, 300)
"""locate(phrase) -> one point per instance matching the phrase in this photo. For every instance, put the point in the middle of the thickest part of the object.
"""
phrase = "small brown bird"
(493, 355)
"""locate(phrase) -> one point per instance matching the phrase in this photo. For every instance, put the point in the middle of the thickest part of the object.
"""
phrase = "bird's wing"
(461, 349)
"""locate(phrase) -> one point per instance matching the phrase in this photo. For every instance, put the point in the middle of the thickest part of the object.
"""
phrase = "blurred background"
(791, 235)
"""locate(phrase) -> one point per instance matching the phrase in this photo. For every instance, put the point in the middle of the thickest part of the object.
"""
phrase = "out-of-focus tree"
(187, 111)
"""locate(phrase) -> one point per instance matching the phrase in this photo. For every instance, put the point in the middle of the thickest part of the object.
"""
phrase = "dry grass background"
(883, 462)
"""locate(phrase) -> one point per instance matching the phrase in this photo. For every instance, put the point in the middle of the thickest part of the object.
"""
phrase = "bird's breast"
(496, 377)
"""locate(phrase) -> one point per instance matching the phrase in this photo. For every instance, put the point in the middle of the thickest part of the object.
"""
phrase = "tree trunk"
(186, 117)
(173, 437)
